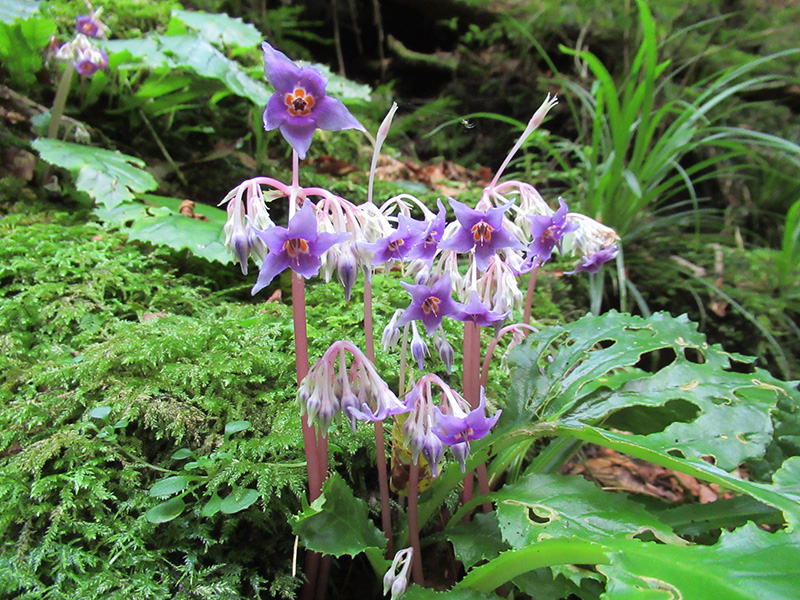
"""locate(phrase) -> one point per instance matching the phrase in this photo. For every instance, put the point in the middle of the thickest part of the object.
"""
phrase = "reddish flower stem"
(310, 447)
(380, 438)
(301, 365)
(413, 524)
(526, 318)
(472, 393)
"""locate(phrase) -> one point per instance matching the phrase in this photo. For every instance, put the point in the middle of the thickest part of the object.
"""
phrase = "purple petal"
(465, 215)
(413, 313)
(431, 321)
(275, 114)
(494, 216)
(298, 131)
(306, 265)
(331, 115)
(313, 81)
(274, 237)
(281, 72)
(462, 241)
(304, 223)
(449, 428)
(325, 240)
(274, 264)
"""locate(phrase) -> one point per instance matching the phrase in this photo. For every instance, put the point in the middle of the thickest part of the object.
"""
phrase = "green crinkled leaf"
(561, 581)
(745, 564)
(734, 423)
(584, 372)
(22, 44)
(476, 540)
(337, 522)
(108, 177)
(134, 53)
(696, 519)
(414, 592)
(567, 362)
(160, 222)
(220, 28)
(547, 506)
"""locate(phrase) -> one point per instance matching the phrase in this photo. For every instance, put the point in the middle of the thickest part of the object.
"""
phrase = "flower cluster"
(430, 426)
(84, 55)
(357, 391)
(466, 270)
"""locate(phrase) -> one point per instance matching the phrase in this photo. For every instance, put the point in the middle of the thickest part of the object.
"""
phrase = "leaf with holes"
(546, 506)
(585, 372)
(746, 563)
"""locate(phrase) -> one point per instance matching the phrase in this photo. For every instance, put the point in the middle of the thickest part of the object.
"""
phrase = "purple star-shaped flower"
(90, 60)
(476, 311)
(481, 230)
(429, 304)
(87, 25)
(454, 430)
(398, 244)
(593, 262)
(300, 105)
(299, 247)
(547, 233)
(431, 236)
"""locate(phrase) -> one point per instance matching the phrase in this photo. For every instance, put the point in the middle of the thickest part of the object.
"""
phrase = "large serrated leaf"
(337, 522)
(546, 506)
(584, 372)
(745, 564)
(734, 423)
(476, 540)
(108, 177)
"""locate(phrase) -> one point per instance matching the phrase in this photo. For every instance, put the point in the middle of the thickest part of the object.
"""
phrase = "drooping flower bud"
(419, 349)
(396, 578)
(445, 350)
